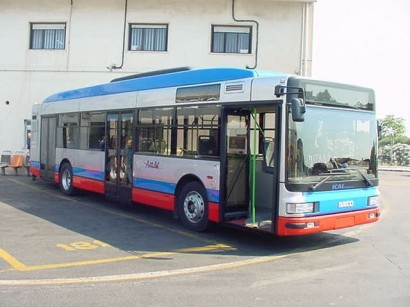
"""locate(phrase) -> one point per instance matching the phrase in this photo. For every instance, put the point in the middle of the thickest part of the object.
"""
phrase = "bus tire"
(66, 179)
(193, 206)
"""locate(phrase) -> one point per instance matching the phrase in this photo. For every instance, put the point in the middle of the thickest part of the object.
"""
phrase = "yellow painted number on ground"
(82, 245)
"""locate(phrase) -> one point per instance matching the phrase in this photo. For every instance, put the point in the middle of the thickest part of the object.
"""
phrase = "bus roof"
(156, 81)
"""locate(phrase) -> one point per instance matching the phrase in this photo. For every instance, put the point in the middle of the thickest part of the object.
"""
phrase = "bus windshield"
(332, 149)
(339, 95)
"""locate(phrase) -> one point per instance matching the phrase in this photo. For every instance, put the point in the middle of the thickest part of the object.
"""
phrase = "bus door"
(264, 136)
(236, 194)
(48, 147)
(251, 172)
(119, 156)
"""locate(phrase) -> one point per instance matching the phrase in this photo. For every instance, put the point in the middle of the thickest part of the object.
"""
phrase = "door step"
(237, 215)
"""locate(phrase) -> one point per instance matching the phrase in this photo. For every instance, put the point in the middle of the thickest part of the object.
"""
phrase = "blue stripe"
(189, 77)
(329, 200)
(81, 172)
(153, 185)
(168, 188)
(213, 196)
(35, 164)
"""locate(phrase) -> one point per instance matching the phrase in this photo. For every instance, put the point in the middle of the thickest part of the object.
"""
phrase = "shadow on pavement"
(135, 229)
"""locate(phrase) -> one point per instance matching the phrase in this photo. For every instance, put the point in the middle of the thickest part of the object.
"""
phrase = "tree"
(392, 128)
(393, 144)
(398, 154)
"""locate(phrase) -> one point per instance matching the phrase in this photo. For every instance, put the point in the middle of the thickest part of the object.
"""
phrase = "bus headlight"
(373, 201)
(299, 208)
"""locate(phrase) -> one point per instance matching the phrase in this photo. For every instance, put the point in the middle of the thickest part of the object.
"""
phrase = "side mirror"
(379, 130)
(298, 109)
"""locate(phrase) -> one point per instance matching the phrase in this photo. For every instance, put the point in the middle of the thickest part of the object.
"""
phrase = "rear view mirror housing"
(297, 102)
(298, 109)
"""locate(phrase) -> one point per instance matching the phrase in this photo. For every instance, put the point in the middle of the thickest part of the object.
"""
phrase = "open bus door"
(250, 172)
(119, 156)
(236, 164)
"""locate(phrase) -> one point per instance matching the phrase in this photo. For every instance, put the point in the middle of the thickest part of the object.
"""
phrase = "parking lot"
(47, 234)
(50, 240)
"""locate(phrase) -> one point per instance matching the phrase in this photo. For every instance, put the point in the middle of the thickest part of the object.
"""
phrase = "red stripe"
(167, 201)
(213, 214)
(35, 171)
(155, 199)
(327, 222)
(89, 184)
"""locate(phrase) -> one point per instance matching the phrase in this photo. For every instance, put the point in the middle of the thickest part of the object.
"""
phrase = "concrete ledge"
(394, 168)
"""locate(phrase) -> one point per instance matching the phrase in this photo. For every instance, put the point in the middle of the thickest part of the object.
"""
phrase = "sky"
(366, 42)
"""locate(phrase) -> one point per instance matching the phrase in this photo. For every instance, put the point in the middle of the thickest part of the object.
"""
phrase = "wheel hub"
(194, 207)
(66, 179)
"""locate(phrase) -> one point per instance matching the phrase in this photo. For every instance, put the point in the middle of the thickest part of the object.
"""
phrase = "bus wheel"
(193, 206)
(66, 179)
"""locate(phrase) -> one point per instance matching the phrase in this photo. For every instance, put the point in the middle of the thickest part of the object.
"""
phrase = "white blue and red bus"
(270, 151)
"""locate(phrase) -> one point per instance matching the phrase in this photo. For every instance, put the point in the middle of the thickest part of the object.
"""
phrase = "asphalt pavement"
(86, 251)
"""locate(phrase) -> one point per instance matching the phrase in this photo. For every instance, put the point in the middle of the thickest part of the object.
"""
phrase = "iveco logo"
(346, 204)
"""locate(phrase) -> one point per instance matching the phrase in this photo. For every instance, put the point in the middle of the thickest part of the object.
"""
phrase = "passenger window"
(198, 131)
(92, 130)
(265, 119)
(154, 131)
(68, 135)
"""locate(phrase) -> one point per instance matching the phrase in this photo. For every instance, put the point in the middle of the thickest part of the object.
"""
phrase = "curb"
(393, 169)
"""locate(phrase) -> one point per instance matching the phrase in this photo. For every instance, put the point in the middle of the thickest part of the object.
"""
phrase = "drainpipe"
(257, 33)
(306, 49)
(302, 41)
(309, 37)
(123, 39)
(305, 40)
(68, 28)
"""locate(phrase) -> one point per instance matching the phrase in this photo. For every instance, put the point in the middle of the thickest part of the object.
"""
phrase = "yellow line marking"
(19, 266)
(139, 276)
(148, 275)
(140, 220)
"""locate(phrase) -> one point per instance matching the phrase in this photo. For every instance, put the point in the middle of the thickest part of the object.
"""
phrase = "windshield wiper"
(341, 161)
(365, 179)
(317, 185)
(338, 172)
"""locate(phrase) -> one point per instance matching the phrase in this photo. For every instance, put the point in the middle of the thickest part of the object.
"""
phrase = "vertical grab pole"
(253, 176)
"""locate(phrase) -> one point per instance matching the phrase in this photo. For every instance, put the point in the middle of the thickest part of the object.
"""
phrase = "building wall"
(94, 44)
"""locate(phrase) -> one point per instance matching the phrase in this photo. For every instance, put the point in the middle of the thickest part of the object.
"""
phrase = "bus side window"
(269, 151)
(68, 131)
(198, 131)
(145, 144)
(207, 146)
(265, 145)
(95, 131)
(154, 131)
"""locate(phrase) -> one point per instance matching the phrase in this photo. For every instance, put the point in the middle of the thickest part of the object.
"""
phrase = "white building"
(53, 45)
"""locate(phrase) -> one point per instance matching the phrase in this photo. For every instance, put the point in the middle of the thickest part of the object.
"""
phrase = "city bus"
(268, 151)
